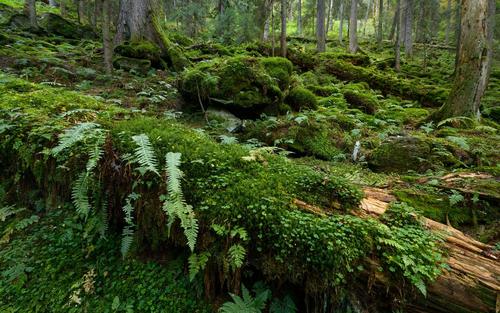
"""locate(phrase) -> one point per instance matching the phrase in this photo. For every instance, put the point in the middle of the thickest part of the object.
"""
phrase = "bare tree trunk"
(353, 27)
(52, 3)
(397, 48)
(402, 21)
(408, 28)
(273, 31)
(299, 18)
(475, 54)
(62, 8)
(106, 36)
(395, 21)
(283, 29)
(380, 30)
(80, 9)
(458, 34)
(30, 11)
(366, 16)
(341, 21)
(267, 10)
(320, 27)
(448, 22)
(329, 16)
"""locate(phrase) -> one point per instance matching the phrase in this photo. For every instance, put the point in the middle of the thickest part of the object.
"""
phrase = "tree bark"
(395, 21)
(408, 28)
(80, 10)
(320, 28)
(353, 27)
(380, 29)
(475, 53)
(106, 36)
(397, 47)
(329, 16)
(30, 11)
(52, 3)
(448, 22)
(366, 16)
(299, 18)
(283, 29)
(341, 21)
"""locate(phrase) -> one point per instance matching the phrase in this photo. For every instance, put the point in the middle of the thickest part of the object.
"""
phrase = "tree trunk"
(52, 3)
(408, 28)
(395, 21)
(366, 16)
(341, 21)
(397, 47)
(353, 27)
(299, 18)
(80, 10)
(267, 12)
(283, 29)
(380, 30)
(320, 28)
(329, 16)
(106, 36)
(475, 54)
(62, 8)
(448, 22)
(30, 11)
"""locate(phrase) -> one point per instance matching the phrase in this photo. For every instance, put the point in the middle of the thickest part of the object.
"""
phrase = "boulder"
(129, 64)
(141, 50)
(19, 21)
(225, 119)
(400, 154)
(301, 98)
(56, 25)
(5, 13)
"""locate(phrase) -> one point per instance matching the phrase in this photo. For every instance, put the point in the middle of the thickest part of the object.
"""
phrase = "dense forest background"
(249, 156)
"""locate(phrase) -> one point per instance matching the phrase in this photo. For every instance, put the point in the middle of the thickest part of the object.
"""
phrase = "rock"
(19, 21)
(226, 119)
(400, 154)
(301, 98)
(141, 50)
(362, 101)
(136, 65)
(5, 13)
(56, 25)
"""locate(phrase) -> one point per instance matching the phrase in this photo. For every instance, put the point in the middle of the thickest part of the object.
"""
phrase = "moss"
(301, 98)
(354, 59)
(279, 69)
(141, 50)
(240, 84)
(175, 58)
(57, 25)
(19, 21)
(401, 154)
(402, 115)
(361, 100)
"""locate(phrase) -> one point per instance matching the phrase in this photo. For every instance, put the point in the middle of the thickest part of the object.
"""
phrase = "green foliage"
(144, 155)
(300, 98)
(128, 229)
(197, 263)
(285, 305)
(247, 303)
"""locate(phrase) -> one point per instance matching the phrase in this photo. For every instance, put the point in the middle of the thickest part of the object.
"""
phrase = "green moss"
(55, 24)
(301, 98)
(279, 69)
(402, 115)
(361, 100)
(138, 66)
(145, 50)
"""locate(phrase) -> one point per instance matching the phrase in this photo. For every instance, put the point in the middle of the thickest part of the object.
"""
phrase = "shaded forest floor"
(341, 115)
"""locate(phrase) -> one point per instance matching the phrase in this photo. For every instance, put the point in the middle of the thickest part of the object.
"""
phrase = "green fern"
(246, 303)
(128, 230)
(9, 210)
(197, 263)
(75, 134)
(175, 206)
(286, 305)
(79, 195)
(144, 154)
(236, 255)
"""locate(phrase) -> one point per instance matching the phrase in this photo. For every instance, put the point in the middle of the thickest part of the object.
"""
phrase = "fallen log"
(471, 284)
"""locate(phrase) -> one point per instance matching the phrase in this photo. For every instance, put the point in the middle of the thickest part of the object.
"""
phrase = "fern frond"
(79, 195)
(128, 230)
(9, 211)
(73, 135)
(144, 153)
(96, 153)
(127, 239)
(173, 161)
(236, 255)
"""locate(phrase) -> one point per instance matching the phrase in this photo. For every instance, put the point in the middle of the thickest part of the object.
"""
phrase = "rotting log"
(471, 284)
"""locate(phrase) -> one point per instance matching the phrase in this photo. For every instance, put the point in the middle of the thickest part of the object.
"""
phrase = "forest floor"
(366, 125)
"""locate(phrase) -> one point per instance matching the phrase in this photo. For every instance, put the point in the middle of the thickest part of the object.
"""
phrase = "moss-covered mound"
(242, 199)
(243, 85)
(301, 98)
(145, 50)
(57, 25)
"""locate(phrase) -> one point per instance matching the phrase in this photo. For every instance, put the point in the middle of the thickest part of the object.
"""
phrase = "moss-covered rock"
(400, 154)
(361, 100)
(57, 25)
(5, 13)
(301, 98)
(129, 64)
(239, 84)
(279, 69)
(141, 50)
(19, 21)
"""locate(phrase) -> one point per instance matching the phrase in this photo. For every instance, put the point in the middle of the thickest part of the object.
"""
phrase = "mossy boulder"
(239, 84)
(175, 58)
(279, 69)
(141, 50)
(5, 13)
(19, 21)
(301, 98)
(400, 154)
(57, 25)
(132, 65)
(361, 100)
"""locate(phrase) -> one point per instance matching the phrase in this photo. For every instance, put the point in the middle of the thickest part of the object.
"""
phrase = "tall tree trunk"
(299, 18)
(106, 35)
(395, 21)
(409, 28)
(273, 31)
(475, 53)
(366, 16)
(267, 12)
(320, 28)
(353, 27)
(380, 29)
(397, 46)
(341, 21)
(283, 29)
(402, 21)
(80, 10)
(329, 17)
(448, 22)
(52, 3)
(62, 8)
(421, 28)
(30, 11)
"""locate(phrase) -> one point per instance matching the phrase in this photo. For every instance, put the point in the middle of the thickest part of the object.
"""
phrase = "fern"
(73, 135)
(283, 306)
(128, 230)
(95, 154)
(144, 154)
(197, 263)
(175, 206)
(79, 195)
(236, 255)
(246, 303)
(7, 211)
